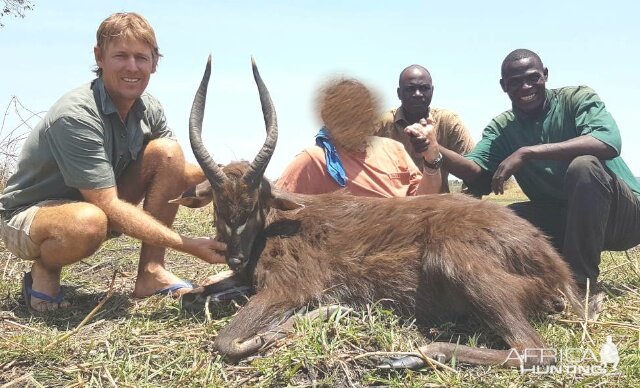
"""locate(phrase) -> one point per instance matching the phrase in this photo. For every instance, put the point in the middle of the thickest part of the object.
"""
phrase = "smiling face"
(126, 65)
(524, 82)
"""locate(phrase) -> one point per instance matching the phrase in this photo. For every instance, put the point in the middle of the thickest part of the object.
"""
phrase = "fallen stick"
(86, 319)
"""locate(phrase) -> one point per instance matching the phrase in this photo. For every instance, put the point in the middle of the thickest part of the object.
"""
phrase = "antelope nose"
(234, 262)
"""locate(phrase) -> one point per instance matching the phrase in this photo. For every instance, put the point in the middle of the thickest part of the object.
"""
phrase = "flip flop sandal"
(173, 288)
(28, 292)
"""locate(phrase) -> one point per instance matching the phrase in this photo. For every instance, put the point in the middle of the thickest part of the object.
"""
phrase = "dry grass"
(152, 342)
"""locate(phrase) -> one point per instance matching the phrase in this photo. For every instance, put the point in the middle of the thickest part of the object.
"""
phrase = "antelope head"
(242, 196)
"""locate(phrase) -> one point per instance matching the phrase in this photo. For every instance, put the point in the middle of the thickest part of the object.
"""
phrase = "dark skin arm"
(423, 139)
(460, 166)
(469, 171)
(583, 145)
(455, 163)
(566, 150)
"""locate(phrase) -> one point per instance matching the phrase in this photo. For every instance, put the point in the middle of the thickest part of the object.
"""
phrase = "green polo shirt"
(81, 143)
(571, 112)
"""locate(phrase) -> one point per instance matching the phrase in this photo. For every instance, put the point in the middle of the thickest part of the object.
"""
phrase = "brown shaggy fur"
(434, 257)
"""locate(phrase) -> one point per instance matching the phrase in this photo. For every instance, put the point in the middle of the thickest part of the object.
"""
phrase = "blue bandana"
(334, 165)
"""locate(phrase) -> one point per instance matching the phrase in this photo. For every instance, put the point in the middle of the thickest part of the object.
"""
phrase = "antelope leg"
(444, 351)
(224, 286)
(285, 328)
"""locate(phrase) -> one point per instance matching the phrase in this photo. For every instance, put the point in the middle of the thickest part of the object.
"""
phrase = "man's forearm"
(569, 149)
(431, 182)
(135, 222)
(460, 166)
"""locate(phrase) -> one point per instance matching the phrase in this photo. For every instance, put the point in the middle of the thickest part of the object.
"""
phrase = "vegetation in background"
(12, 135)
(15, 8)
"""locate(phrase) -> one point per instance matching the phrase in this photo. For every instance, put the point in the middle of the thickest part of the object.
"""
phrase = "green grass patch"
(152, 342)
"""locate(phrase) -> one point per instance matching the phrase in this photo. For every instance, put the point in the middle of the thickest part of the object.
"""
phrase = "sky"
(298, 44)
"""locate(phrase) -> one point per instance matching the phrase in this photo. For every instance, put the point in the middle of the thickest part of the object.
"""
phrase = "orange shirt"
(383, 170)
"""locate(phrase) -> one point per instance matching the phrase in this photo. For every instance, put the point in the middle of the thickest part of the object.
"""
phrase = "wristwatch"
(436, 163)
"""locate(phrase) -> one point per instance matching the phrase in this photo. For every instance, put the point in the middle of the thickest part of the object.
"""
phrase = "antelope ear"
(282, 200)
(197, 196)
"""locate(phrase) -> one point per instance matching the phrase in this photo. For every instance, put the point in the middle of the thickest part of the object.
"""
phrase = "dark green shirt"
(570, 112)
(81, 143)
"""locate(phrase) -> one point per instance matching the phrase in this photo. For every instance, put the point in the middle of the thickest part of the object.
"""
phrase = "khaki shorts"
(15, 230)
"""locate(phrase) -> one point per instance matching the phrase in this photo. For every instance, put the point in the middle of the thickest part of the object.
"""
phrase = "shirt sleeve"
(305, 175)
(158, 120)
(385, 125)
(455, 134)
(78, 149)
(488, 154)
(592, 118)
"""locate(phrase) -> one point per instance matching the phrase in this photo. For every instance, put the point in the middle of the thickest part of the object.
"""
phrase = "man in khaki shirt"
(415, 90)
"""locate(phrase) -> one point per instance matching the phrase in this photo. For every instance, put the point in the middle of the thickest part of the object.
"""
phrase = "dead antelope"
(433, 257)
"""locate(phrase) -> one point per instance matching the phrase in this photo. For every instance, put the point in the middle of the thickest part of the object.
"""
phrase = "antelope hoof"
(414, 362)
(326, 312)
(408, 362)
(197, 300)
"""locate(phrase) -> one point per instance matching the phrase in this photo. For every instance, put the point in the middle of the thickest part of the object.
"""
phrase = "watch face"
(435, 164)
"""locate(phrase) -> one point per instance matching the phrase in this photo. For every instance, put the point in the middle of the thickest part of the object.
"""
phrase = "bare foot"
(46, 281)
(151, 281)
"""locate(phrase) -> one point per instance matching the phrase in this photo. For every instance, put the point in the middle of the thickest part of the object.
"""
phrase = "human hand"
(206, 248)
(505, 170)
(423, 138)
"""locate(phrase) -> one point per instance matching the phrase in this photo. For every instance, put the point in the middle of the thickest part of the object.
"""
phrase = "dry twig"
(87, 318)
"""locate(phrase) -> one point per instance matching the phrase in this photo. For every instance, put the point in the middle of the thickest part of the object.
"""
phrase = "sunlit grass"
(152, 342)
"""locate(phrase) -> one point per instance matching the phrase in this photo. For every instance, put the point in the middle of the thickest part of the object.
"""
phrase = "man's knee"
(586, 170)
(93, 223)
(77, 228)
(87, 230)
(166, 151)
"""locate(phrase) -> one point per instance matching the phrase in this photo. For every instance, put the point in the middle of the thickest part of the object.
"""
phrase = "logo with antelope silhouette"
(583, 361)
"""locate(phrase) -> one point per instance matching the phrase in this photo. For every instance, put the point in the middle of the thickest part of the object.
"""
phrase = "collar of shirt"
(106, 104)
(401, 122)
(131, 125)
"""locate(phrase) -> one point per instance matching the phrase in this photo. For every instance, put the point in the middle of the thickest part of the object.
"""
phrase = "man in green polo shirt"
(562, 146)
(100, 150)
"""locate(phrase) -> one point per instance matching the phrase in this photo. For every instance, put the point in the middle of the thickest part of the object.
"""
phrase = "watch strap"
(435, 164)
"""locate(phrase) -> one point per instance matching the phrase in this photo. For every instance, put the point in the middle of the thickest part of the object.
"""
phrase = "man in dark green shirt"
(562, 146)
(99, 151)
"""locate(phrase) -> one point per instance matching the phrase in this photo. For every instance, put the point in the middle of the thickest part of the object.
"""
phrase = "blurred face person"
(349, 111)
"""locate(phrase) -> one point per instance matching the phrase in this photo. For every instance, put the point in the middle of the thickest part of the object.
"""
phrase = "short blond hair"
(127, 25)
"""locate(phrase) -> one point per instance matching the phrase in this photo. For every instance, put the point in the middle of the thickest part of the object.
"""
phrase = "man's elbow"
(607, 152)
